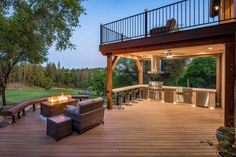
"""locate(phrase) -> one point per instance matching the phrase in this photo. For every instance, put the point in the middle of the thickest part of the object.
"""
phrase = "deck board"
(149, 128)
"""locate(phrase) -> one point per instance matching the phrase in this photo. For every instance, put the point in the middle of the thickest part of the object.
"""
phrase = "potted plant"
(226, 138)
(226, 133)
(222, 149)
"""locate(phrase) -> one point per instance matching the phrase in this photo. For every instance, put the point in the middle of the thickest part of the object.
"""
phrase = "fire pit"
(55, 105)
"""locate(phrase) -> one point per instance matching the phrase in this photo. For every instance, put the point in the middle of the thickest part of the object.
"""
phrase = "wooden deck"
(149, 128)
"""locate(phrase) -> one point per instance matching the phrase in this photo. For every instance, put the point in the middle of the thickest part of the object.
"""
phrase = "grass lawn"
(18, 95)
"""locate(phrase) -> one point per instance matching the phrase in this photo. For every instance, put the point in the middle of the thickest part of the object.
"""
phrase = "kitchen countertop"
(117, 90)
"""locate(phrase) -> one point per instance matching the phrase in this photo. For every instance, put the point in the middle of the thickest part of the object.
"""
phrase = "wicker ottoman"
(59, 127)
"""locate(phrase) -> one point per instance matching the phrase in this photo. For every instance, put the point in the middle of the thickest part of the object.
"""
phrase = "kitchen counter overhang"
(201, 97)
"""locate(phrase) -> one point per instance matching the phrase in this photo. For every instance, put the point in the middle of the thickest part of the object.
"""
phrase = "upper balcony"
(180, 16)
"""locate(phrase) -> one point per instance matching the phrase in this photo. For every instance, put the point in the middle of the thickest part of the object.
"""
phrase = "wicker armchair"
(89, 114)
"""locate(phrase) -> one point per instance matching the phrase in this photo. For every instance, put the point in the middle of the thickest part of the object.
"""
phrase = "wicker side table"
(59, 127)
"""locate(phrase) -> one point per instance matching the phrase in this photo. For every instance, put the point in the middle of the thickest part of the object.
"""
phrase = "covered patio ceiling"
(184, 52)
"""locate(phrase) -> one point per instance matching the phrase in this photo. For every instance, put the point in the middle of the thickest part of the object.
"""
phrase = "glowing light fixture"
(193, 105)
(216, 8)
(212, 108)
(210, 48)
(169, 54)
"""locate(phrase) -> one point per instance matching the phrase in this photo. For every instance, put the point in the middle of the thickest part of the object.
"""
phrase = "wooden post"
(235, 80)
(18, 115)
(229, 83)
(218, 80)
(109, 81)
(34, 107)
(115, 61)
(23, 111)
(139, 64)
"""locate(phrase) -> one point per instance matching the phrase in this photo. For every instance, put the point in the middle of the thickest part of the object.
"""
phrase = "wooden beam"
(218, 79)
(129, 56)
(139, 64)
(229, 83)
(109, 81)
(201, 36)
(115, 61)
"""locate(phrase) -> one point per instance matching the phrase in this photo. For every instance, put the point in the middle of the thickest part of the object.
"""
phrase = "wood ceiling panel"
(196, 51)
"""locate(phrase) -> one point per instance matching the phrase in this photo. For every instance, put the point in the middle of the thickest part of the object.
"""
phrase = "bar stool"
(133, 97)
(128, 99)
(120, 100)
(139, 94)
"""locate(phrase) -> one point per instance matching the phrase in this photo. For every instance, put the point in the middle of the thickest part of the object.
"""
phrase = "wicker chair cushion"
(72, 108)
(83, 103)
(93, 105)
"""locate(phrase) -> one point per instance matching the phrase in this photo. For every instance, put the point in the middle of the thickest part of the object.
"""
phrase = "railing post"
(146, 22)
(122, 37)
(101, 34)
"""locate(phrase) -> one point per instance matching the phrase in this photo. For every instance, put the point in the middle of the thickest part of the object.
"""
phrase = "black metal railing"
(183, 15)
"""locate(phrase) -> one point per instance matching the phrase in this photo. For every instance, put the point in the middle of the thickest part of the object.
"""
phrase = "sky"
(87, 38)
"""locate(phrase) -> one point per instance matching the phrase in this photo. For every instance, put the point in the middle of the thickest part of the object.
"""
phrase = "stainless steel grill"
(155, 87)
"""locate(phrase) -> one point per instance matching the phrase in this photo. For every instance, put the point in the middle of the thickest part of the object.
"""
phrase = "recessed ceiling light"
(210, 48)
(202, 52)
(216, 8)
(169, 54)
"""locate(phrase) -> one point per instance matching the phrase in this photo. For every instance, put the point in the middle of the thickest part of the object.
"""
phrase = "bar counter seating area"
(196, 97)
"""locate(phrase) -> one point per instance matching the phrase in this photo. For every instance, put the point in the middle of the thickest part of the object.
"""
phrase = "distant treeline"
(197, 72)
(52, 76)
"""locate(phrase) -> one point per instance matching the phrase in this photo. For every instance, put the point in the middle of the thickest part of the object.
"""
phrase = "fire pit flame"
(59, 98)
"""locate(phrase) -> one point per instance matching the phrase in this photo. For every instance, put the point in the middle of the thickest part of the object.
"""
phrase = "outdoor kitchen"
(157, 91)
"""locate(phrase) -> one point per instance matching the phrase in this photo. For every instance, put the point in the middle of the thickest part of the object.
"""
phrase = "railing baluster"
(203, 11)
(101, 34)
(185, 5)
(199, 11)
(224, 10)
(146, 22)
(230, 9)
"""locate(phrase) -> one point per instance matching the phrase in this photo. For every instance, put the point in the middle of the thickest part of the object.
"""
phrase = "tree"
(201, 72)
(51, 71)
(28, 28)
(99, 82)
(126, 73)
(173, 68)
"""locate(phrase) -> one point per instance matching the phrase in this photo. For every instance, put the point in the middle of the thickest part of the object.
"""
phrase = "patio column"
(218, 79)
(139, 64)
(109, 81)
(235, 79)
(229, 83)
